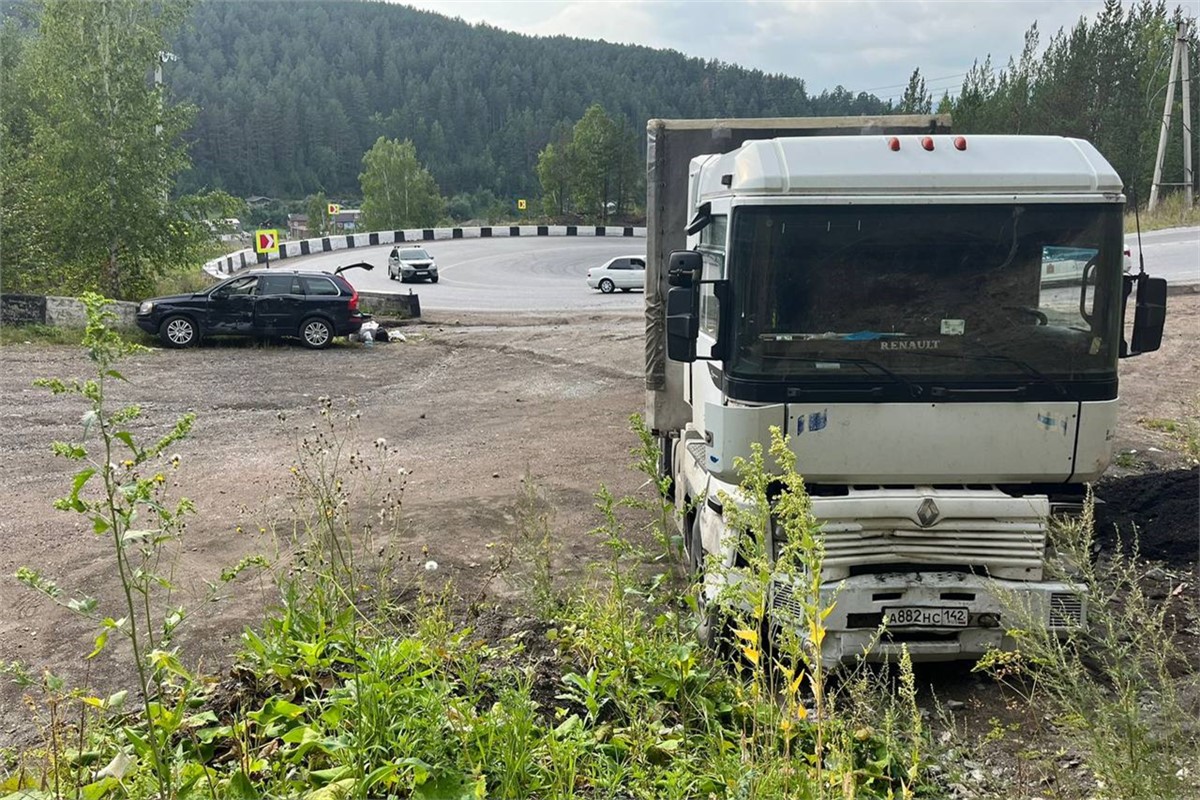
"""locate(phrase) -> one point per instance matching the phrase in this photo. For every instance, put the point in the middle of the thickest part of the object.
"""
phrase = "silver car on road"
(410, 263)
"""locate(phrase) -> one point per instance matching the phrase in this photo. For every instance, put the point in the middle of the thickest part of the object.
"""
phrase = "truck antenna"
(1137, 223)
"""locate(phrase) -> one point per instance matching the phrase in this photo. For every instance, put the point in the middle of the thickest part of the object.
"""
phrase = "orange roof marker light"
(960, 143)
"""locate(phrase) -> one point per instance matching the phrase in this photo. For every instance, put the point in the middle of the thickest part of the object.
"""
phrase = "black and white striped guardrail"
(227, 265)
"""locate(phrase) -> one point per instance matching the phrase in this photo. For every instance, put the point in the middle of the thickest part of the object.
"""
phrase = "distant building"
(297, 226)
(345, 220)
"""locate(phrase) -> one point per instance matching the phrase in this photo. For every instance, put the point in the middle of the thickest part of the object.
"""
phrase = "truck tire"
(666, 463)
(713, 629)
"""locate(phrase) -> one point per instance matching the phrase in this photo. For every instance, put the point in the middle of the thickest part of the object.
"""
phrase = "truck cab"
(935, 323)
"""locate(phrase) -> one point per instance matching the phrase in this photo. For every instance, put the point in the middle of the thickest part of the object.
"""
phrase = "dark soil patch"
(1163, 508)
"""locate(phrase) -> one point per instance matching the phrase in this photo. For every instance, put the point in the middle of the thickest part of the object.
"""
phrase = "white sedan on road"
(623, 272)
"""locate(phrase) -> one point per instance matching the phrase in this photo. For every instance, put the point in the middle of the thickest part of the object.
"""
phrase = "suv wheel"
(178, 331)
(433, 279)
(607, 286)
(316, 333)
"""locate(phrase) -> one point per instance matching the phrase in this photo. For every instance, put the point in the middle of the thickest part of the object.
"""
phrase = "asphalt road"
(547, 275)
(501, 274)
(1173, 254)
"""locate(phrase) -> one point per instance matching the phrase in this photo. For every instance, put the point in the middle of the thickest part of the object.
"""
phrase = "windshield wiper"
(1024, 366)
(862, 363)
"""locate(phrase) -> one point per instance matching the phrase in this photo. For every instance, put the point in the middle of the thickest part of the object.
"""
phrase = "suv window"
(237, 286)
(279, 284)
(320, 286)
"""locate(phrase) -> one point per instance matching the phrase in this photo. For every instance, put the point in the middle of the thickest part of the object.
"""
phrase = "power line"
(927, 82)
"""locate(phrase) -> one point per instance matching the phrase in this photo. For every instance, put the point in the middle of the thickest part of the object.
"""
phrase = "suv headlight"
(146, 307)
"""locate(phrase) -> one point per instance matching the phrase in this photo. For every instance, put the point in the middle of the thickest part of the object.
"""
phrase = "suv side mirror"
(1150, 314)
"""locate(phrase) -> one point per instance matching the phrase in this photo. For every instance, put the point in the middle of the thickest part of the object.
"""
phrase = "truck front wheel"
(713, 628)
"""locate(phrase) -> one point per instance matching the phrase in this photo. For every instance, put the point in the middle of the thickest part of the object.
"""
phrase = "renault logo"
(928, 512)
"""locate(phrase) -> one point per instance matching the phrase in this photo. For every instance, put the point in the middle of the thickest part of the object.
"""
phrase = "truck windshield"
(1026, 293)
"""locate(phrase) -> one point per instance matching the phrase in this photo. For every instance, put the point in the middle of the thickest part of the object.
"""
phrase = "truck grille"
(1066, 610)
(1006, 549)
(784, 604)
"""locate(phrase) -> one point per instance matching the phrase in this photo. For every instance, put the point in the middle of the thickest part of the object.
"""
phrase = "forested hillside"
(291, 95)
(1103, 80)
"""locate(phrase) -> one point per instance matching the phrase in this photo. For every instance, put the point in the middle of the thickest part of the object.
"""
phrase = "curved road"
(500, 274)
(1173, 254)
(547, 274)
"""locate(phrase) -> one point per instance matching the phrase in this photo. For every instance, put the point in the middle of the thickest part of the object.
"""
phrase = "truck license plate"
(926, 617)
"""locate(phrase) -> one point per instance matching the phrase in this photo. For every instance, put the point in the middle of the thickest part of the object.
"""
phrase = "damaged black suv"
(313, 307)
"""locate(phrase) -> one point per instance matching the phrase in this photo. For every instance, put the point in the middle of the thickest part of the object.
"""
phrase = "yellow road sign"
(334, 208)
(520, 205)
(266, 241)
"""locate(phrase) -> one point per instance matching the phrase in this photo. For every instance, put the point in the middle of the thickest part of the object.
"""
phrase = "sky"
(863, 45)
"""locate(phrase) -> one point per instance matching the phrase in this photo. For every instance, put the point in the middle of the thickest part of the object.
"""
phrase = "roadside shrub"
(1119, 687)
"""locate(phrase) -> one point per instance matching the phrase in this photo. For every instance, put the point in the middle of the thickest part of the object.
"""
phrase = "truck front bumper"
(933, 606)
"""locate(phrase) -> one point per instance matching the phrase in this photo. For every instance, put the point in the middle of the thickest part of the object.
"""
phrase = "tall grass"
(1120, 687)
(1171, 212)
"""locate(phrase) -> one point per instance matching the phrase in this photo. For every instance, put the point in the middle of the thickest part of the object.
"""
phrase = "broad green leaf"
(99, 789)
(240, 787)
(384, 774)
(301, 735)
(337, 790)
(82, 605)
(447, 786)
(99, 645)
(331, 775)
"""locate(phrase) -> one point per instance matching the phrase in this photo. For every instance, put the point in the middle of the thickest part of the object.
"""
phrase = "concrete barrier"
(229, 264)
(60, 312)
(389, 305)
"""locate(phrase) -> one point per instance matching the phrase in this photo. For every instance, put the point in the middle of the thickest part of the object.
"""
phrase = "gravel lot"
(472, 402)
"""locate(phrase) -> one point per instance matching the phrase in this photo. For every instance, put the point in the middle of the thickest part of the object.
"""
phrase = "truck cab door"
(231, 307)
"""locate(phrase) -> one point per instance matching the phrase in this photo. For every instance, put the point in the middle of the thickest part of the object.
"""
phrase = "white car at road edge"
(623, 272)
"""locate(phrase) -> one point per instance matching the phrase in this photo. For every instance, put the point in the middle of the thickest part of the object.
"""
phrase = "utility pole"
(163, 57)
(1178, 55)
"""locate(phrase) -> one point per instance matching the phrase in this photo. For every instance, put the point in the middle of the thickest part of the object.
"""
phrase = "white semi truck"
(889, 300)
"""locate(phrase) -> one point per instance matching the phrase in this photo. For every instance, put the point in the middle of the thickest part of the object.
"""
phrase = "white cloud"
(864, 45)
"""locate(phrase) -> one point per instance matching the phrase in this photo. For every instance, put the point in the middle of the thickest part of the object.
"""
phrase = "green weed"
(120, 488)
(1120, 685)
(346, 691)
(40, 334)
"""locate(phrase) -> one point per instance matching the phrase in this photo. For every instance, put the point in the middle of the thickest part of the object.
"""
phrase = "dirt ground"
(472, 403)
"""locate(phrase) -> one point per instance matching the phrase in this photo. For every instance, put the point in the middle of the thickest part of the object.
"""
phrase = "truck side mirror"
(1150, 314)
(683, 322)
(684, 268)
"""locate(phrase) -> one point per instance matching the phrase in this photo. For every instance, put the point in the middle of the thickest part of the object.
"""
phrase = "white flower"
(431, 565)
(381, 442)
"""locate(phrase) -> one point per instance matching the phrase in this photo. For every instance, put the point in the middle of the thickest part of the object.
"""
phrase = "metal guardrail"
(229, 264)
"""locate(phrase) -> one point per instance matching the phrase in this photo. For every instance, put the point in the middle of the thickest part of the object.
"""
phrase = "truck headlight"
(146, 307)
